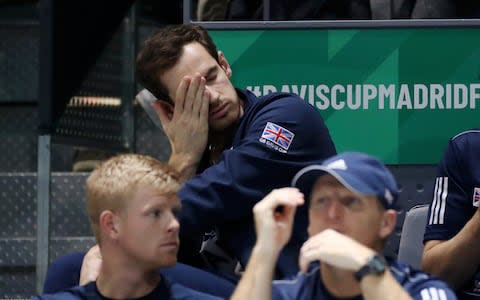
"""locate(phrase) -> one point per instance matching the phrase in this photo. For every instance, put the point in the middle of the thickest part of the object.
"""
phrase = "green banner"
(399, 94)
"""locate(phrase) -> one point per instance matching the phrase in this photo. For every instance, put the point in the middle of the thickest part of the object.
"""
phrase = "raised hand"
(274, 216)
(186, 124)
(335, 249)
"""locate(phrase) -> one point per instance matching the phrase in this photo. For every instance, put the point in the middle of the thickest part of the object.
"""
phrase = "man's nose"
(174, 225)
(214, 95)
(335, 210)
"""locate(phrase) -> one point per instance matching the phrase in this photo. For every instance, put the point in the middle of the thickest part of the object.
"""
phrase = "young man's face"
(148, 228)
(225, 107)
(334, 206)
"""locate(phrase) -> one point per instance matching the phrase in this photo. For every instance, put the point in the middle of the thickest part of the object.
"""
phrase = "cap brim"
(306, 178)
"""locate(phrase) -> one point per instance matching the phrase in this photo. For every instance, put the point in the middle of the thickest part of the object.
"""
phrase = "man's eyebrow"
(150, 206)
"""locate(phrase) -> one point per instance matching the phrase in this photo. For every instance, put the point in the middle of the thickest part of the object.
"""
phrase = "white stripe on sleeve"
(433, 293)
(425, 294)
(434, 202)
(437, 214)
(444, 200)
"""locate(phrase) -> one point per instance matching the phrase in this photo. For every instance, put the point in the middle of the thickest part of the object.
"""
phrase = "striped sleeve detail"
(433, 294)
(437, 211)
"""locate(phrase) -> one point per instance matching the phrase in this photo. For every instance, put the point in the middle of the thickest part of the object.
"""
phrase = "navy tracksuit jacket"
(278, 135)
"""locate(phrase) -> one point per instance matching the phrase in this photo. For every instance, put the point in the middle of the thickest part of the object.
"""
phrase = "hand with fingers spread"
(273, 223)
(335, 249)
(274, 217)
(186, 124)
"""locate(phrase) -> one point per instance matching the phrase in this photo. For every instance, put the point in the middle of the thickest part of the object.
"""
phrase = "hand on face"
(335, 249)
(91, 265)
(186, 126)
(274, 225)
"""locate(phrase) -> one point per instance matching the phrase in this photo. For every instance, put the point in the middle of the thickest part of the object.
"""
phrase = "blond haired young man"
(132, 205)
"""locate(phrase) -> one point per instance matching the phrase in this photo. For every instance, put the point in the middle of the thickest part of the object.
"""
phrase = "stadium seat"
(411, 241)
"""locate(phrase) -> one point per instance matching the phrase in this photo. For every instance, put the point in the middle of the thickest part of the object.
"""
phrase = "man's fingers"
(199, 97)
(280, 204)
(310, 253)
(289, 211)
(181, 93)
(335, 249)
(278, 197)
(192, 92)
(204, 105)
(303, 263)
(320, 240)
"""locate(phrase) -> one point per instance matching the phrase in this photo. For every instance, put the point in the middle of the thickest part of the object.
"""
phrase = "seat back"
(411, 241)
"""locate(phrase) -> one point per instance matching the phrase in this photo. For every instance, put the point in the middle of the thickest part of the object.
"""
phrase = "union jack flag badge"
(277, 137)
(476, 197)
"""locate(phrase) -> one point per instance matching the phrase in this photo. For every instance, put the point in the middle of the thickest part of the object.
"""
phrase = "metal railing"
(267, 23)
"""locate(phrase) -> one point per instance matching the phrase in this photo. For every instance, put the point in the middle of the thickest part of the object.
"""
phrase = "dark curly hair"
(162, 51)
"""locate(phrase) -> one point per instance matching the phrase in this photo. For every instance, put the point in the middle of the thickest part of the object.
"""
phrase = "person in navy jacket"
(230, 147)
(350, 217)
(132, 205)
(453, 224)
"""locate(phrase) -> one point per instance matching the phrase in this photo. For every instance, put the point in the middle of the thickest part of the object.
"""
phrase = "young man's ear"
(388, 223)
(222, 60)
(108, 222)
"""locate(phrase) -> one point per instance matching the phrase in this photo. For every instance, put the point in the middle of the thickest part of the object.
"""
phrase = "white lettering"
(420, 94)
(386, 93)
(303, 90)
(404, 97)
(267, 89)
(460, 96)
(369, 93)
(324, 101)
(341, 89)
(286, 89)
(436, 94)
(353, 105)
(448, 96)
(255, 90)
(311, 94)
(474, 95)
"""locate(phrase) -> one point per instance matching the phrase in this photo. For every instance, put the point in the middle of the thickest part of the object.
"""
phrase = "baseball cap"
(358, 172)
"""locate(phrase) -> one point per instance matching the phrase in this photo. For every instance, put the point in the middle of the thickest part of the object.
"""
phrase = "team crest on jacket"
(476, 197)
(277, 137)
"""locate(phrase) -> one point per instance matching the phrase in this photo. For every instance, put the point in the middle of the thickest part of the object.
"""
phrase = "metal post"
(266, 10)
(43, 209)
(128, 89)
(45, 106)
(187, 11)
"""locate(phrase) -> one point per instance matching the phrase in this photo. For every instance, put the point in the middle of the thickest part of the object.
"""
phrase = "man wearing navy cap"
(352, 196)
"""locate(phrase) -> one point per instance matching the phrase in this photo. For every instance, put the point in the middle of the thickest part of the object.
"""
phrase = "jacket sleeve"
(229, 189)
(431, 289)
(450, 201)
